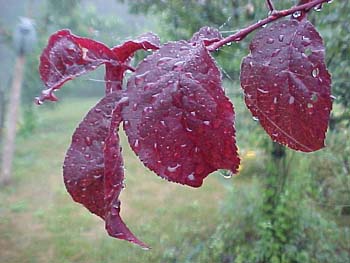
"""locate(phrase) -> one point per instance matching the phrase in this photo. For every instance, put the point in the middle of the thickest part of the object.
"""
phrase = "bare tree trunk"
(11, 119)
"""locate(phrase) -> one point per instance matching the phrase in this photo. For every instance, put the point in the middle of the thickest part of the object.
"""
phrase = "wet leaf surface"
(179, 121)
(84, 163)
(287, 85)
(68, 56)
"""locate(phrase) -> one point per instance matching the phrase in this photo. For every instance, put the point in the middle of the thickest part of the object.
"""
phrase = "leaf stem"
(274, 15)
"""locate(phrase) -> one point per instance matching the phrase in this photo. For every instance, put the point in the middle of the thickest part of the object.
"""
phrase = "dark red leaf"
(145, 41)
(208, 35)
(68, 56)
(113, 181)
(179, 121)
(287, 85)
(84, 164)
(93, 168)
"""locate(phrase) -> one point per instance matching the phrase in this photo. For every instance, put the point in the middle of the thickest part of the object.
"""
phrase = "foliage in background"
(258, 225)
(335, 22)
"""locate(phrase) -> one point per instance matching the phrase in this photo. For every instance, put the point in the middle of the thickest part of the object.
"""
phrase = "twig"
(270, 5)
(241, 34)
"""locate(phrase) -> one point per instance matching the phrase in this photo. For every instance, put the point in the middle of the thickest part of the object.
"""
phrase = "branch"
(275, 14)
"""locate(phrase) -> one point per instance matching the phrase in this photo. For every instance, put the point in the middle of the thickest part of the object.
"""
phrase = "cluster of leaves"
(174, 110)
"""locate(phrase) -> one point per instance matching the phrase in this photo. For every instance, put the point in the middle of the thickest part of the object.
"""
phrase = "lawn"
(40, 223)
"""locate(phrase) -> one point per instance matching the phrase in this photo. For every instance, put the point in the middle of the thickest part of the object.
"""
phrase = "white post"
(11, 121)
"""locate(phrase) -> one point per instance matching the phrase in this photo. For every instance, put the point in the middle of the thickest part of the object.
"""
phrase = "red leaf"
(208, 35)
(68, 56)
(179, 121)
(113, 182)
(93, 168)
(145, 41)
(84, 163)
(287, 85)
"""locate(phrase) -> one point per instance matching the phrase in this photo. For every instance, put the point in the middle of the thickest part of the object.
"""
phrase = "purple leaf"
(93, 168)
(84, 163)
(287, 85)
(68, 56)
(145, 41)
(179, 121)
(113, 181)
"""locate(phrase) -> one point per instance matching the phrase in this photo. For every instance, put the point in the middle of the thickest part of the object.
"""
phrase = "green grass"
(40, 223)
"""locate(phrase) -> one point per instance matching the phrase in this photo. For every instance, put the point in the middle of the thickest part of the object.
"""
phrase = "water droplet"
(88, 141)
(315, 72)
(255, 118)
(206, 123)
(275, 100)
(280, 38)
(291, 100)
(270, 40)
(309, 105)
(136, 144)
(191, 177)
(98, 176)
(297, 14)
(123, 99)
(148, 110)
(178, 65)
(174, 168)
(263, 91)
(163, 60)
(134, 106)
(306, 40)
(226, 174)
(314, 97)
(333, 97)
(318, 8)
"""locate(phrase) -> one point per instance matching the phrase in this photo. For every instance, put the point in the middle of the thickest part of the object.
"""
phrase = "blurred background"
(282, 206)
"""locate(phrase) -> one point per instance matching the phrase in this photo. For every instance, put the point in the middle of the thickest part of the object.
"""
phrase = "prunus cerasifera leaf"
(286, 84)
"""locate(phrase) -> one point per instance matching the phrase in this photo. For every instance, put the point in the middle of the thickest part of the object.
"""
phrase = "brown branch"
(270, 5)
(241, 34)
